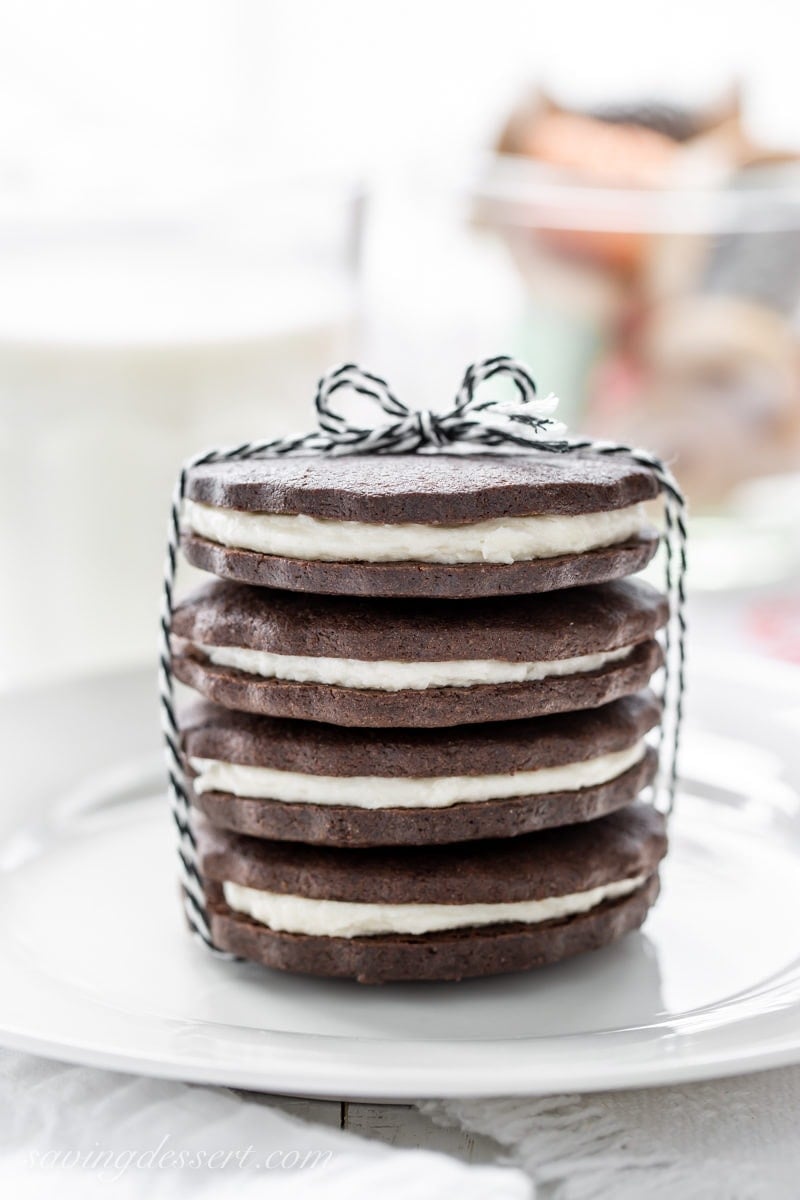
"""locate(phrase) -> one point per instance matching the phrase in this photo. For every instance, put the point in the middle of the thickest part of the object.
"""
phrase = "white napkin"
(121, 1127)
(729, 1139)
(734, 1139)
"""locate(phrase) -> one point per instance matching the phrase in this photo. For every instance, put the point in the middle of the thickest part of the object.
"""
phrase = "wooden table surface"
(398, 1125)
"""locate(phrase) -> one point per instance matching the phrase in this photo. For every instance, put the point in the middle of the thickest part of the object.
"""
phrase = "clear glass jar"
(668, 318)
(128, 342)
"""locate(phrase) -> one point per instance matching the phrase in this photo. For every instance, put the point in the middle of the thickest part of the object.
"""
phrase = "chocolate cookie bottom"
(453, 955)
(448, 580)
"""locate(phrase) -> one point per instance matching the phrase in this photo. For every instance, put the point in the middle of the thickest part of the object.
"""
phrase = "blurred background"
(205, 203)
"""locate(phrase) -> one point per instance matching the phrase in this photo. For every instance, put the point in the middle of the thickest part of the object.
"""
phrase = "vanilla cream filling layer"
(504, 540)
(377, 791)
(339, 918)
(392, 676)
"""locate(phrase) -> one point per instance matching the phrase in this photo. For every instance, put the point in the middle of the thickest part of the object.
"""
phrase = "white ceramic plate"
(97, 967)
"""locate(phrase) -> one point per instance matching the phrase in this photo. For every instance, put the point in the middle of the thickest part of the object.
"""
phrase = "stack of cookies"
(423, 731)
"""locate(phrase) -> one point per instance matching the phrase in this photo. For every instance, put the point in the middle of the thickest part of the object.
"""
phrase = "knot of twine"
(525, 421)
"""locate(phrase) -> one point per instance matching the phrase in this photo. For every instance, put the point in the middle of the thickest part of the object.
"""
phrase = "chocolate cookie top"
(550, 625)
(439, 489)
(499, 747)
(557, 862)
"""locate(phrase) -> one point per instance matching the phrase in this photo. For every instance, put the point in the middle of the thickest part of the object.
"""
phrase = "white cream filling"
(377, 791)
(392, 676)
(504, 540)
(339, 918)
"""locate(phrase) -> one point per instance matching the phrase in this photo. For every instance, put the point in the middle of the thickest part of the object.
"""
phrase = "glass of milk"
(126, 344)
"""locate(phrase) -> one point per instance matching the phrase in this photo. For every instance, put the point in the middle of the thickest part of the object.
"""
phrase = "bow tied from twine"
(524, 425)
(414, 430)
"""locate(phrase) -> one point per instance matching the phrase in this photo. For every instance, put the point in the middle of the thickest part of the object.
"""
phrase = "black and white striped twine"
(524, 426)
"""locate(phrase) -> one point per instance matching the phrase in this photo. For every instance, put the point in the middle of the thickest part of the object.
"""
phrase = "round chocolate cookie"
(432, 913)
(420, 525)
(419, 663)
(322, 784)
(428, 489)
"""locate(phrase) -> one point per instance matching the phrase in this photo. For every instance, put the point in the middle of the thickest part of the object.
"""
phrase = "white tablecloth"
(730, 1139)
(71, 1131)
(75, 1131)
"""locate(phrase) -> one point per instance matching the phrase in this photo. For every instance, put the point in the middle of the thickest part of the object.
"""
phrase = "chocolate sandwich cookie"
(327, 785)
(420, 525)
(447, 912)
(401, 662)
